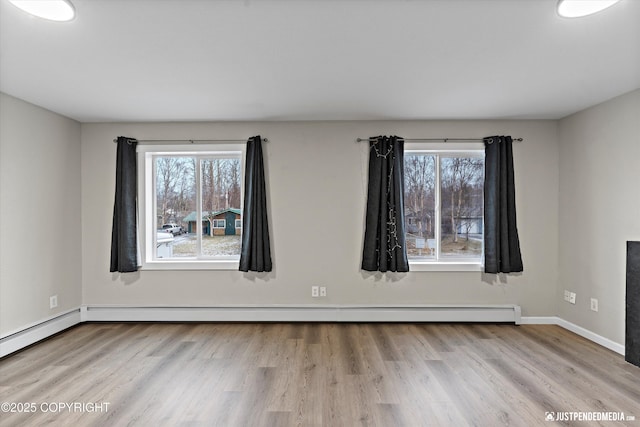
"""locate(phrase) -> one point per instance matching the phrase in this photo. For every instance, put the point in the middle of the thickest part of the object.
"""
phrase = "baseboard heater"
(17, 340)
(313, 313)
(30, 334)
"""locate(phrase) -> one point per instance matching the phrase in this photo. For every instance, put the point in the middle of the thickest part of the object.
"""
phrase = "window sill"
(445, 266)
(233, 265)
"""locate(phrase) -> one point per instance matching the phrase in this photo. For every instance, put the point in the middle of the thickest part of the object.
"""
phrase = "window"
(199, 190)
(443, 204)
(238, 223)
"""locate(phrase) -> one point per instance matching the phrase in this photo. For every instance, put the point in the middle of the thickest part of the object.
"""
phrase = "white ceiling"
(177, 60)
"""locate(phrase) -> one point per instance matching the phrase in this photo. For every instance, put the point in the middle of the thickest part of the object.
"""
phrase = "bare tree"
(419, 177)
(174, 187)
(176, 191)
(221, 184)
(233, 190)
(460, 177)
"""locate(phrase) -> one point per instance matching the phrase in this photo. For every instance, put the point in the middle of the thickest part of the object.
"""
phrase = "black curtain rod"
(191, 141)
(442, 139)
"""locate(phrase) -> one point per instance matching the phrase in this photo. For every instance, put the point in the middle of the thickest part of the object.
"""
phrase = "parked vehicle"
(174, 229)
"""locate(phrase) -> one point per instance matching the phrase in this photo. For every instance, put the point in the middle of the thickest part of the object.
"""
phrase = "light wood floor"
(317, 375)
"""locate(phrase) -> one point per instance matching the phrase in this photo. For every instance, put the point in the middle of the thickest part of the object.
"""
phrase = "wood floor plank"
(574, 380)
(503, 389)
(317, 374)
(307, 411)
(289, 382)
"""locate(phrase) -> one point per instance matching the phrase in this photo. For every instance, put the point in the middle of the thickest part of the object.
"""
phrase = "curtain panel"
(384, 246)
(124, 233)
(501, 242)
(255, 253)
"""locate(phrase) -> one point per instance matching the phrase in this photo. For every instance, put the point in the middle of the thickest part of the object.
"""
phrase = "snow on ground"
(211, 246)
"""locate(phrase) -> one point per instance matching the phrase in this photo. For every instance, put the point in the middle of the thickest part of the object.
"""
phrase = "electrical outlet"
(594, 304)
(53, 301)
(315, 291)
(572, 297)
(566, 295)
(323, 291)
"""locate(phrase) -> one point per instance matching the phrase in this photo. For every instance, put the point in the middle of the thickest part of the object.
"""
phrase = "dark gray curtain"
(124, 234)
(255, 254)
(384, 243)
(501, 242)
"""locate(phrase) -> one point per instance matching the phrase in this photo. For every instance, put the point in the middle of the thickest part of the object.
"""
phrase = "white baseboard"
(36, 332)
(579, 330)
(533, 320)
(592, 336)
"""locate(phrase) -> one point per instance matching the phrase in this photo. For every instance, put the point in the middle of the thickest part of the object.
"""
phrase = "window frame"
(464, 149)
(147, 199)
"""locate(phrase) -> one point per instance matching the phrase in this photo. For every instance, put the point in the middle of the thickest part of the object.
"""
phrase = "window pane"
(461, 195)
(221, 198)
(175, 201)
(419, 205)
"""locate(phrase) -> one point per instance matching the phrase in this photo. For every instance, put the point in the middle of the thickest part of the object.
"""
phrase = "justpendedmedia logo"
(588, 416)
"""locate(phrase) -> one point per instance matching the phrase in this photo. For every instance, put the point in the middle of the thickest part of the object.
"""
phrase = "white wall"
(577, 206)
(316, 176)
(39, 213)
(599, 210)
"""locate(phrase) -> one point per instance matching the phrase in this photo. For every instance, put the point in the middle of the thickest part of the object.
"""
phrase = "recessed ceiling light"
(578, 8)
(53, 10)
